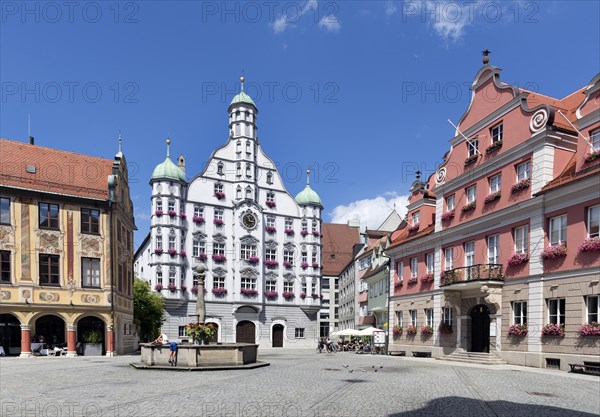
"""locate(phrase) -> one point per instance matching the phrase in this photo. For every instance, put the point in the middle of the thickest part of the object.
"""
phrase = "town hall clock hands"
(249, 221)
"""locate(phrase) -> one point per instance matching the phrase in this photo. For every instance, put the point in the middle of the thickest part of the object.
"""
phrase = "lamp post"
(199, 272)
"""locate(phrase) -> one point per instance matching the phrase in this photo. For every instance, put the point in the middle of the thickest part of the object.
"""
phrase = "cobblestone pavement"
(298, 383)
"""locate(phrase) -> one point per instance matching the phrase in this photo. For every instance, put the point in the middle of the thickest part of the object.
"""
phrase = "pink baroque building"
(500, 259)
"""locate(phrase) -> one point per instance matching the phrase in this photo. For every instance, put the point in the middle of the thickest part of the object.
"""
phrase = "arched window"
(248, 192)
(238, 193)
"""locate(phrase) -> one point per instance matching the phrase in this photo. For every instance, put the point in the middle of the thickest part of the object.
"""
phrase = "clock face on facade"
(249, 221)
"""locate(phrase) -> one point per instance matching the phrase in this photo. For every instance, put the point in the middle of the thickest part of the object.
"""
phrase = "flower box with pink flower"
(554, 251)
(158, 287)
(413, 281)
(159, 213)
(471, 159)
(591, 244)
(315, 265)
(592, 156)
(470, 206)
(304, 233)
(287, 264)
(445, 328)
(198, 219)
(413, 228)
(271, 294)
(518, 259)
(448, 215)
(590, 329)
(253, 260)
(182, 253)
(494, 147)
(218, 222)
(172, 287)
(250, 292)
(316, 233)
(520, 186)
(271, 204)
(517, 330)
(426, 330)
(397, 330)
(271, 264)
(426, 279)
(270, 229)
(411, 330)
(172, 251)
(493, 197)
(158, 251)
(202, 257)
(557, 330)
(172, 213)
(194, 290)
(288, 295)
(303, 295)
(220, 195)
(289, 232)
(218, 258)
(304, 265)
(398, 284)
(219, 292)
(183, 288)
(182, 216)
(314, 295)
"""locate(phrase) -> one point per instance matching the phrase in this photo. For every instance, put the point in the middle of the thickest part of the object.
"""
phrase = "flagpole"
(467, 139)
(577, 130)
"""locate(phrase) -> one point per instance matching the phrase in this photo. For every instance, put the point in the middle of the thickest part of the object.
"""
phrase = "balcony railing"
(472, 273)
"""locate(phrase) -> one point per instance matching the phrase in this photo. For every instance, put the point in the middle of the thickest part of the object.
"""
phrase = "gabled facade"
(66, 247)
(262, 247)
(490, 260)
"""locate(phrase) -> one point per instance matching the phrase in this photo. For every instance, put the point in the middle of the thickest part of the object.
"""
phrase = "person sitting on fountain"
(163, 338)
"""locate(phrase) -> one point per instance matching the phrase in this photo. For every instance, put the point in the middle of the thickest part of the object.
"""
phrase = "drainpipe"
(387, 319)
(112, 274)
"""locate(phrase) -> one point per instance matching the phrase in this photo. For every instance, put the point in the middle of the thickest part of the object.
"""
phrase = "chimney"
(31, 140)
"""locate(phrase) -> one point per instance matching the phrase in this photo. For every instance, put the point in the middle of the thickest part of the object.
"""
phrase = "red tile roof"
(567, 105)
(338, 242)
(570, 174)
(403, 236)
(56, 171)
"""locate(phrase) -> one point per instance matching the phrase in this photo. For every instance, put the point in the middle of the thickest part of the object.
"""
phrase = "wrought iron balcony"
(472, 273)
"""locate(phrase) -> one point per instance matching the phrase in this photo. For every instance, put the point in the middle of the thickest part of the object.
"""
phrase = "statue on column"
(199, 272)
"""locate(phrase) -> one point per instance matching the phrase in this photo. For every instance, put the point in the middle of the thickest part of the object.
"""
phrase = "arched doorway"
(52, 328)
(245, 332)
(89, 328)
(278, 335)
(10, 334)
(480, 328)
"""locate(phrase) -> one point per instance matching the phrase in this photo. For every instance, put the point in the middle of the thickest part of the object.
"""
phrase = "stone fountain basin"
(220, 355)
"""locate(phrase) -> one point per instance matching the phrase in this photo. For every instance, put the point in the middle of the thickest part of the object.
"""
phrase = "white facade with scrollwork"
(262, 248)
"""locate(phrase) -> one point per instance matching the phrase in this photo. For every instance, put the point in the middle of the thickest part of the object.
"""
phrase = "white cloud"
(390, 8)
(371, 211)
(280, 25)
(330, 23)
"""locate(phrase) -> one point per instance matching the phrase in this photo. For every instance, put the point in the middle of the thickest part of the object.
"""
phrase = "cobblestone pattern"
(298, 383)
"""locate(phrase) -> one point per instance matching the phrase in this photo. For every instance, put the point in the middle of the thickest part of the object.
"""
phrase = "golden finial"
(168, 141)
(242, 79)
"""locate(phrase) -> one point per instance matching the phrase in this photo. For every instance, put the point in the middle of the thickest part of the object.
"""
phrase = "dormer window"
(269, 178)
(220, 168)
(496, 133)
(416, 217)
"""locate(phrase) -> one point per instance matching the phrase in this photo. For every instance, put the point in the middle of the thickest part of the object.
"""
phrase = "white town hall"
(260, 245)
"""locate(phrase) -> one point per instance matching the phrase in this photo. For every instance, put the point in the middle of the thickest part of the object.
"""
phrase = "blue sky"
(359, 91)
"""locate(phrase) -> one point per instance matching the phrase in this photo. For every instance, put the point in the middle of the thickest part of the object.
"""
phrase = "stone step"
(493, 360)
(474, 355)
